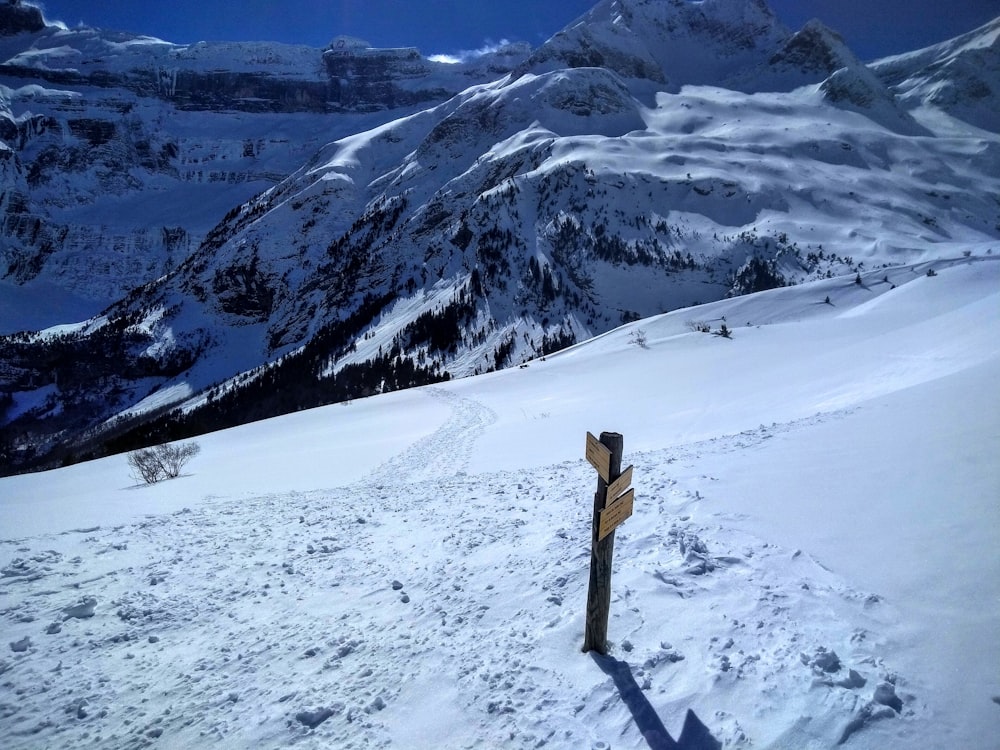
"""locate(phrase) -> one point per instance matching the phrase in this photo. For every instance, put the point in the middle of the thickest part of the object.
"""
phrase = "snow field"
(350, 603)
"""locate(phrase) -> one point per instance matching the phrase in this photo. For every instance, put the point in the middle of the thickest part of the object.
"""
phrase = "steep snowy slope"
(960, 77)
(811, 562)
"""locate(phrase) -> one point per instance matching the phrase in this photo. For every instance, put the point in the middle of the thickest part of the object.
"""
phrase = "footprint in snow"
(82, 610)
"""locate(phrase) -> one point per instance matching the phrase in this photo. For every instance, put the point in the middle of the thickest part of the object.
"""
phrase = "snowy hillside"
(811, 563)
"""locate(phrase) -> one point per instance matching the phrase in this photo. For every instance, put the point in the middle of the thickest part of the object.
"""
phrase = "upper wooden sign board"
(599, 457)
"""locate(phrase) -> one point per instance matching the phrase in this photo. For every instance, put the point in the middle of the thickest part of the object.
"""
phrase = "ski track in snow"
(318, 619)
(446, 451)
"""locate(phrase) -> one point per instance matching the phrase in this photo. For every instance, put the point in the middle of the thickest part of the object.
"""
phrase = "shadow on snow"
(694, 735)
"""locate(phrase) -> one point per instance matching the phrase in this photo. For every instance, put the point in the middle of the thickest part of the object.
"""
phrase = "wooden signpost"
(612, 505)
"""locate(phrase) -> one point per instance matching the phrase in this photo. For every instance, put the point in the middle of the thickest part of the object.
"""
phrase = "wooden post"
(601, 551)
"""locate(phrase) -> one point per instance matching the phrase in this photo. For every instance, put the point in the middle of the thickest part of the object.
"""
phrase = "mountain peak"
(667, 42)
(818, 56)
(814, 49)
(804, 58)
(817, 51)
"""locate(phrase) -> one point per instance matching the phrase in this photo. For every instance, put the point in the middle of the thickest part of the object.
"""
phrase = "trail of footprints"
(302, 617)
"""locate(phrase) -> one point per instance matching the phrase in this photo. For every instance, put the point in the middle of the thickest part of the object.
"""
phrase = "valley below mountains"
(198, 236)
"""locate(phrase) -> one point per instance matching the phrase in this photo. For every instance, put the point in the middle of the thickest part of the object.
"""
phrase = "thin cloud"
(468, 55)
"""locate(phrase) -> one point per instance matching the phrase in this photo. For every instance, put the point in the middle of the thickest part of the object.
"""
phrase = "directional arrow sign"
(613, 515)
(617, 487)
(599, 457)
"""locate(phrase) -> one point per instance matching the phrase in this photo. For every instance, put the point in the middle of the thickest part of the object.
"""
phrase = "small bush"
(160, 462)
(638, 337)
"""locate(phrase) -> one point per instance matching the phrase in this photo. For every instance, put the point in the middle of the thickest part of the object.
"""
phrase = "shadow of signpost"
(694, 734)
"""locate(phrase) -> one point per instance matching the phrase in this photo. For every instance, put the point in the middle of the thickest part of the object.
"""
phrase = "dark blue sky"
(871, 27)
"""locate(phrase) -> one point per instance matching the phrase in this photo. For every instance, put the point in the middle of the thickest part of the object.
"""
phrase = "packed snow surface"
(812, 559)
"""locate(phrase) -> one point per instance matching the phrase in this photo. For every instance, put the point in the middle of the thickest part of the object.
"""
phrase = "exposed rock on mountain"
(125, 149)
(670, 43)
(17, 18)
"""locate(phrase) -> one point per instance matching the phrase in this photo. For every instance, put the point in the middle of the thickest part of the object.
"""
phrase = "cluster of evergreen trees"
(756, 275)
(556, 340)
(281, 389)
(440, 330)
(493, 255)
(294, 383)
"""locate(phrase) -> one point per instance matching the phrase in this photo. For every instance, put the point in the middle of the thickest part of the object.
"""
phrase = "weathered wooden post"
(612, 505)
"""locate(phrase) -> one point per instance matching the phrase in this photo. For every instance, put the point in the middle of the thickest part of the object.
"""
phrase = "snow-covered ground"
(813, 556)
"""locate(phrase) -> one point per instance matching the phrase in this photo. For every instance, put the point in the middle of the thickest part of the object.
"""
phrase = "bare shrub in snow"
(161, 461)
(638, 337)
(701, 326)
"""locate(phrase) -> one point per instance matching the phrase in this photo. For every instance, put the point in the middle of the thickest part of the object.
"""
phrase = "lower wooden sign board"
(613, 515)
(599, 456)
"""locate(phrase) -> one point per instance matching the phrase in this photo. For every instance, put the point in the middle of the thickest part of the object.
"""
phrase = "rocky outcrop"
(364, 78)
(249, 77)
(17, 17)
(814, 50)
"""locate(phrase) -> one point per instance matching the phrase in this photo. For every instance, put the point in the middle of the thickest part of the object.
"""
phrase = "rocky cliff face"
(114, 142)
(19, 18)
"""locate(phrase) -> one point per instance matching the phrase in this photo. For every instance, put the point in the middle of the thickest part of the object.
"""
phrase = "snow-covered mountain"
(811, 562)
(655, 154)
(120, 152)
